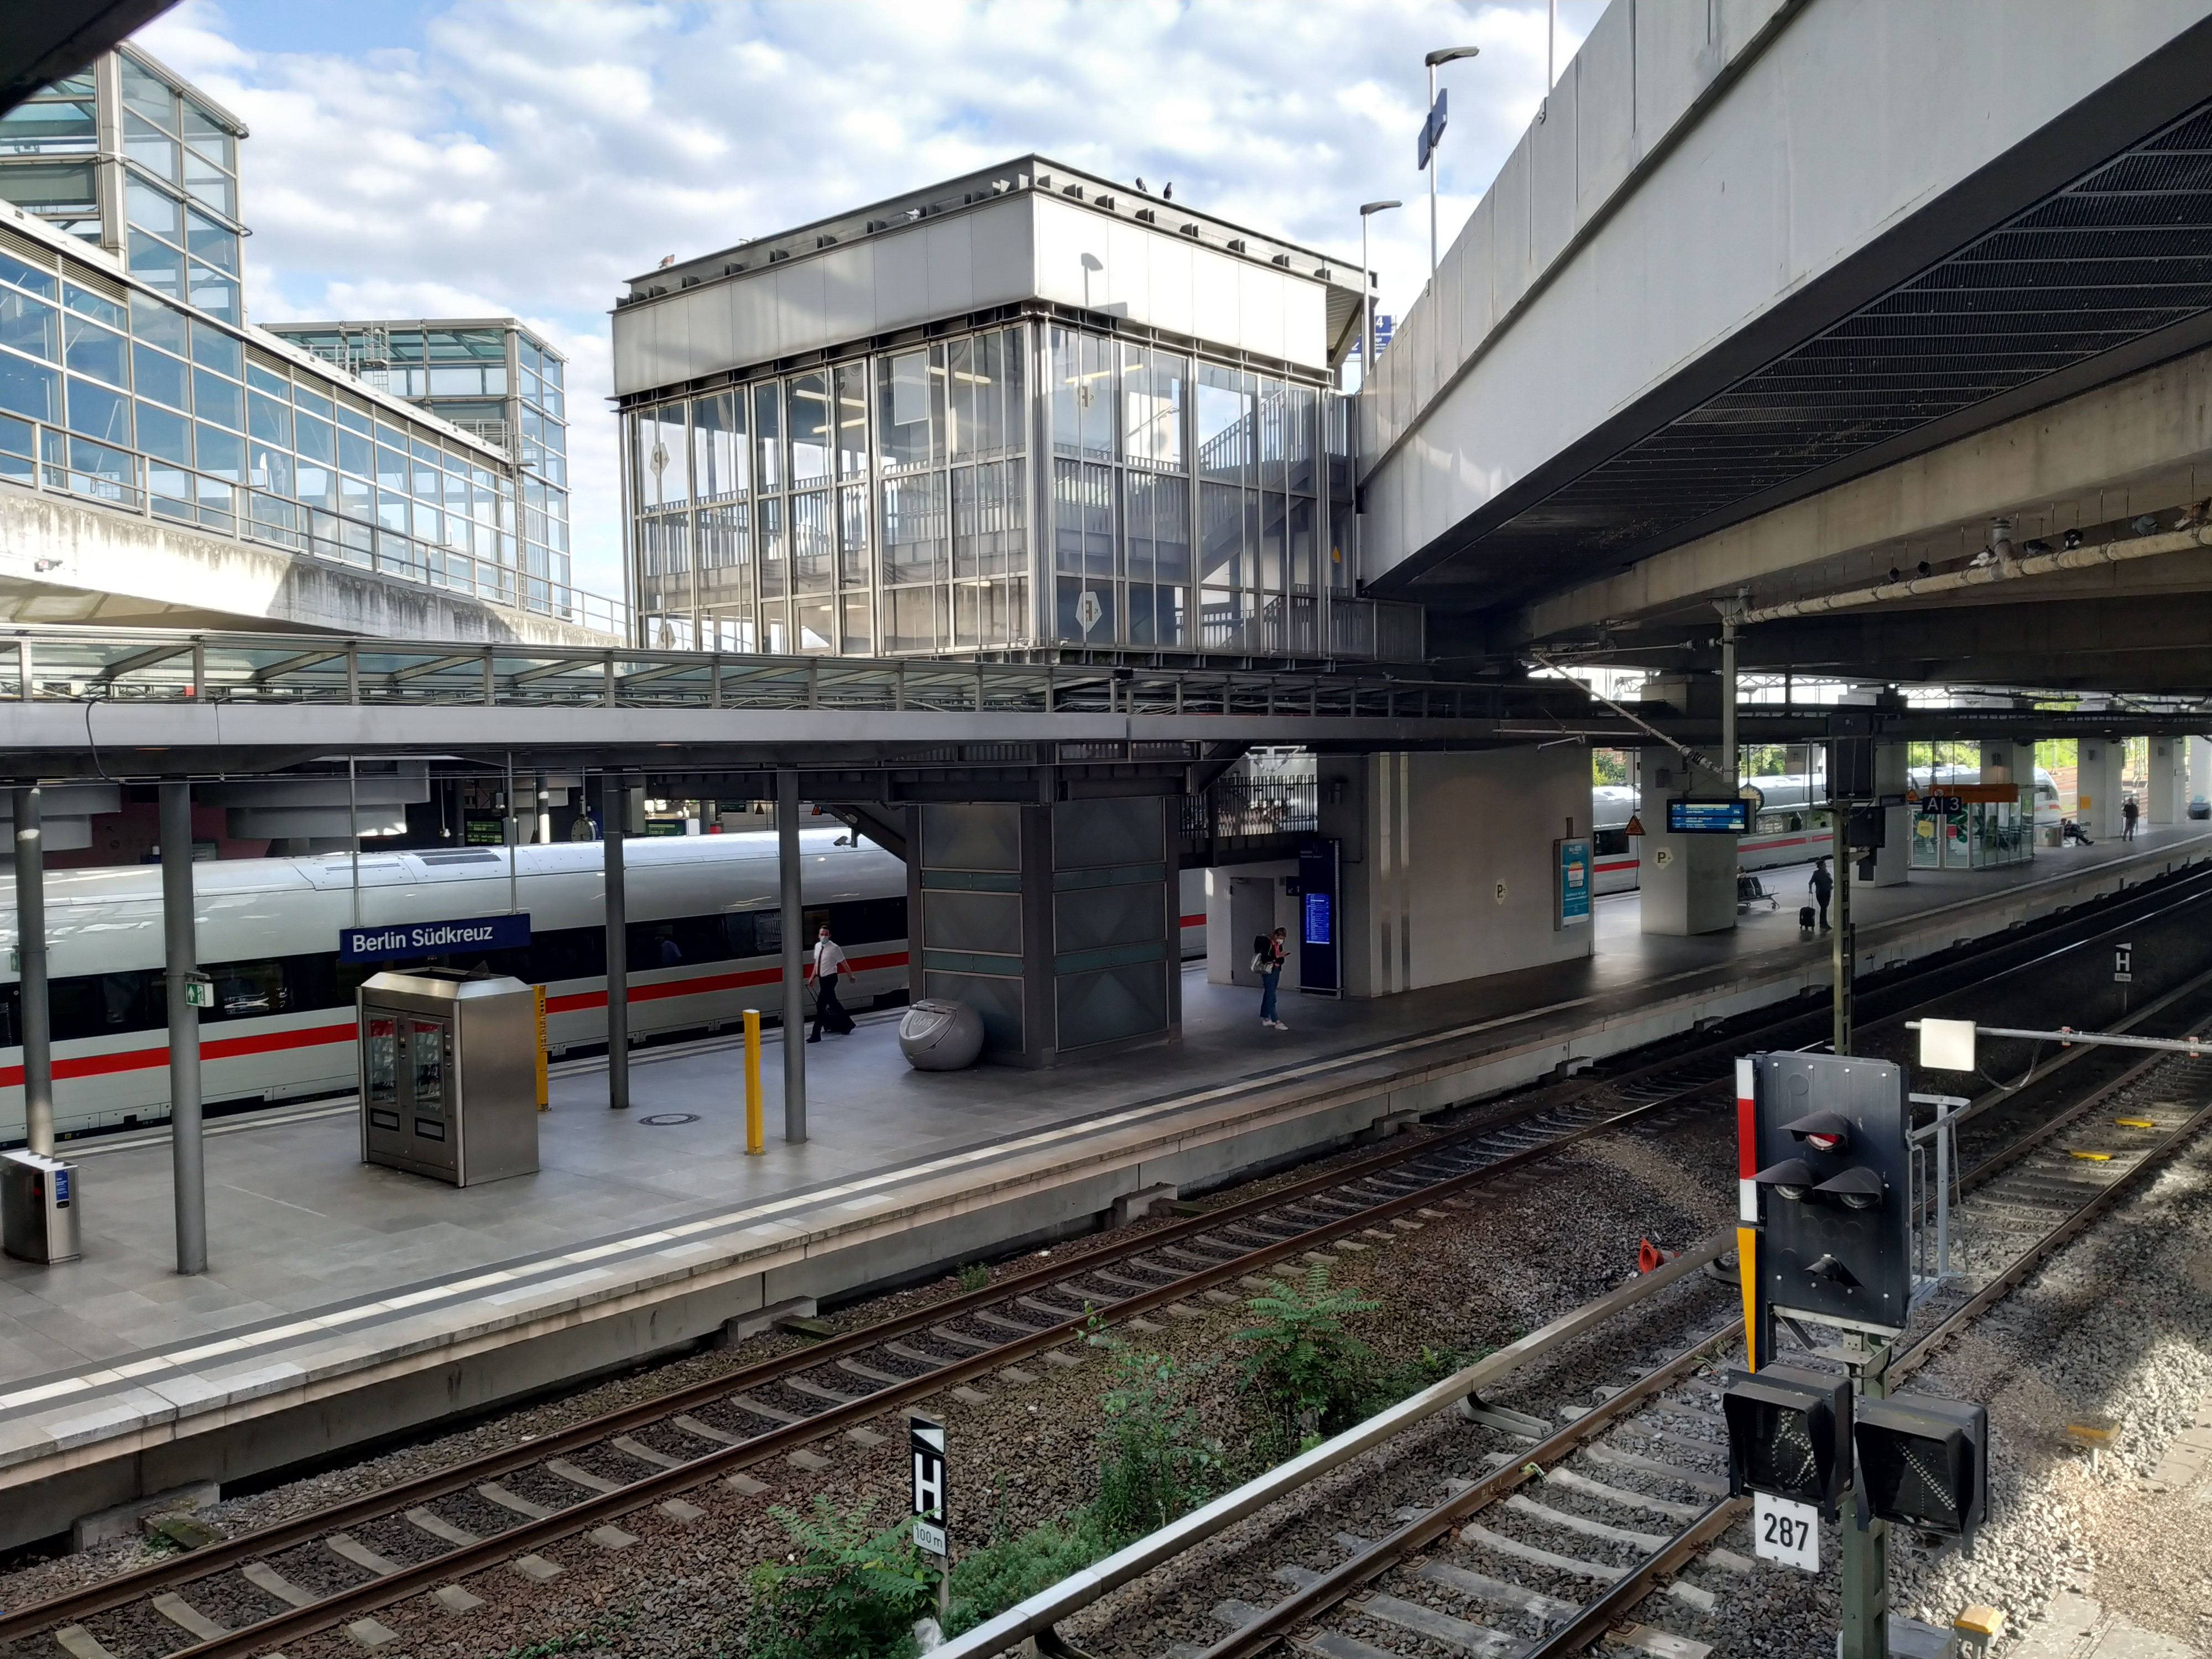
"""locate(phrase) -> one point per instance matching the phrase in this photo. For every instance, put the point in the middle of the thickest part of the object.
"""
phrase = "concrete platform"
(346, 1303)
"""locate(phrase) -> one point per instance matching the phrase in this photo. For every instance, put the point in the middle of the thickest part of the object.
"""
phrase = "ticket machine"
(449, 1075)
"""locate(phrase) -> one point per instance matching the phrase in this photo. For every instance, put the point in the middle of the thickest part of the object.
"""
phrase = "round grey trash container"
(941, 1036)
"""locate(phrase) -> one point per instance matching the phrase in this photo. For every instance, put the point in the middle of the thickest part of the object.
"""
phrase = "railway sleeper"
(915, 1355)
(1623, 1496)
(186, 1617)
(441, 1529)
(1568, 1521)
(1448, 1628)
(1573, 1566)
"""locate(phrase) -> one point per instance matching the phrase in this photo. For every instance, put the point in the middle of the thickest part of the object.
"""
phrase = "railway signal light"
(1789, 1436)
(1923, 1463)
(1832, 1174)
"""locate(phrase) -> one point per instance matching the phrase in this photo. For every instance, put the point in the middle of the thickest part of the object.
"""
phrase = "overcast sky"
(413, 158)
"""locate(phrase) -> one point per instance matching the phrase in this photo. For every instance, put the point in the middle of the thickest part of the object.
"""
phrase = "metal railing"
(48, 663)
(64, 463)
(1237, 808)
(1361, 630)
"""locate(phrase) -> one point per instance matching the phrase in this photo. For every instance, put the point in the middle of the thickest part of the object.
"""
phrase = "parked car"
(2199, 807)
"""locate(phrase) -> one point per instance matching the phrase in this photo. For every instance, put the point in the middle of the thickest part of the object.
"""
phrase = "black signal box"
(1834, 1179)
(1790, 1436)
(1923, 1463)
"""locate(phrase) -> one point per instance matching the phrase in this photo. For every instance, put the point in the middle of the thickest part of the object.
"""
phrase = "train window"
(1603, 842)
(868, 922)
(677, 944)
(249, 990)
(10, 1000)
(766, 933)
(105, 1004)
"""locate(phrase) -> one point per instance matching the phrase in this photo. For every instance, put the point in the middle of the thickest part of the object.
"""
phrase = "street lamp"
(1443, 55)
(1367, 209)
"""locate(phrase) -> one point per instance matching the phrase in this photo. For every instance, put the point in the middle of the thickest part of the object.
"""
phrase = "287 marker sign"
(1785, 1532)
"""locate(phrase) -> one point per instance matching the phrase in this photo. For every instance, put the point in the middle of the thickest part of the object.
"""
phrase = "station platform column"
(2168, 793)
(1892, 859)
(2012, 760)
(1687, 882)
(1449, 864)
(2097, 787)
(2200, 768)
(1061, 925)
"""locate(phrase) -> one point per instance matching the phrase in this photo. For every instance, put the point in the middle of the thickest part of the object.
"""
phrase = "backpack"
(1260, 963)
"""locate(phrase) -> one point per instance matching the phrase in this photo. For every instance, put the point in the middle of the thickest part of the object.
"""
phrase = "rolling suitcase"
(1806, 917)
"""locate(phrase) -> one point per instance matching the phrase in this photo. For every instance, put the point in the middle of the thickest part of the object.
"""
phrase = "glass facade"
(162, 194)
(116, 394)
(1021, 487)
(494, 380)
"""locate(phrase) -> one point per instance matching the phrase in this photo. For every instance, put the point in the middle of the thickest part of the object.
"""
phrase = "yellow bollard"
(755, 1135)
(544, 1097)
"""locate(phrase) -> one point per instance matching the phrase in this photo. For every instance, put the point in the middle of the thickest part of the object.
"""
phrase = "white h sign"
(926, 1439)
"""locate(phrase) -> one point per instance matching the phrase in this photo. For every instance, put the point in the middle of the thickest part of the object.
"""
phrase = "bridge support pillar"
(2097, 784)
(2169, 781)
(1449, 863)
(1892, 859)
(1062, 925)
(2013, 760)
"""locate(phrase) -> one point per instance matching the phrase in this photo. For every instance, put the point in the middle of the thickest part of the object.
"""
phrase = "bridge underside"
(2031, 343)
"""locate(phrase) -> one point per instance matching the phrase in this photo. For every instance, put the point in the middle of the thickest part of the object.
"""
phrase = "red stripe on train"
(270, 1042)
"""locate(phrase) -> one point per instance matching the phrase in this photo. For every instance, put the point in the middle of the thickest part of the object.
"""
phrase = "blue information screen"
(1317, 929)
(1709, 818)
(433, 939)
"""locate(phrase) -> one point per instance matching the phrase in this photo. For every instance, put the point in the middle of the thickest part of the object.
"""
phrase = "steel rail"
(1080, 1589)
(203, 1563)
(200, 1564)
(1325, 1592)
(1595, 1618)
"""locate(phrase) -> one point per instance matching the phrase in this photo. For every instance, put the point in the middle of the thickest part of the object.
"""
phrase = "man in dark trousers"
(829, 961)
(2128, 813)
(1823, 888)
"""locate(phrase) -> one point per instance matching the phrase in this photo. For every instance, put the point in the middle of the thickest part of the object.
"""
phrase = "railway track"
(252, 1593)
(1577, 1528)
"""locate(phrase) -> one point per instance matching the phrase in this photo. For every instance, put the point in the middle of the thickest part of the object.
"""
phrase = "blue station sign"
(433, 939)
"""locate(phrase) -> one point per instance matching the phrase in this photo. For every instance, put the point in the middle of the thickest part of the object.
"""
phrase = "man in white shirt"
(829, 961)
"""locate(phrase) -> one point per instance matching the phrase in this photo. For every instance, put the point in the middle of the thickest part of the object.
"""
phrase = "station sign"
(402, 940)
(1729, 816)
(1319, 950)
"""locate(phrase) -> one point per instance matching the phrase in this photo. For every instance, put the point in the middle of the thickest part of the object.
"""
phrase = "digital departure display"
(1709, 818)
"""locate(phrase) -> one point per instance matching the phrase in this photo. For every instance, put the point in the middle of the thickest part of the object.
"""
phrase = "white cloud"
(526, 156)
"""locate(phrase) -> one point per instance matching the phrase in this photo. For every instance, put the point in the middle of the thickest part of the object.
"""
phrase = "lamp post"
(1367, 210)
(1443, 55)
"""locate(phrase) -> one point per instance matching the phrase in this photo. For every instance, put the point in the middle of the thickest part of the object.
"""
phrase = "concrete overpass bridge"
(1892, 325)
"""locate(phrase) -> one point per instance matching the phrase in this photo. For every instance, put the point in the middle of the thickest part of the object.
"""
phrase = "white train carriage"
(705, 944)
(1789, 824)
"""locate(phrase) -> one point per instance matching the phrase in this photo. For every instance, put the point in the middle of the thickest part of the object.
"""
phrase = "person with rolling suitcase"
(1823, 888)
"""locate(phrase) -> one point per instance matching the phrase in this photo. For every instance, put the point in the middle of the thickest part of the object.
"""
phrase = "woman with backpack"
(1268, 951)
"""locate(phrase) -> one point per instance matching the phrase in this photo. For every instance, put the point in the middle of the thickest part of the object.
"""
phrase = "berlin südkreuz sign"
(433, 939)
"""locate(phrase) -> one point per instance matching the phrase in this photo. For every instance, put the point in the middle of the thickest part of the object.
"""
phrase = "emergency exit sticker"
(1786, 1532)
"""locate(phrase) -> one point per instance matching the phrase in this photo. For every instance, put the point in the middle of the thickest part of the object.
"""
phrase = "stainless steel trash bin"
(449, 1075)
(940, 1034)
(38, 1207)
